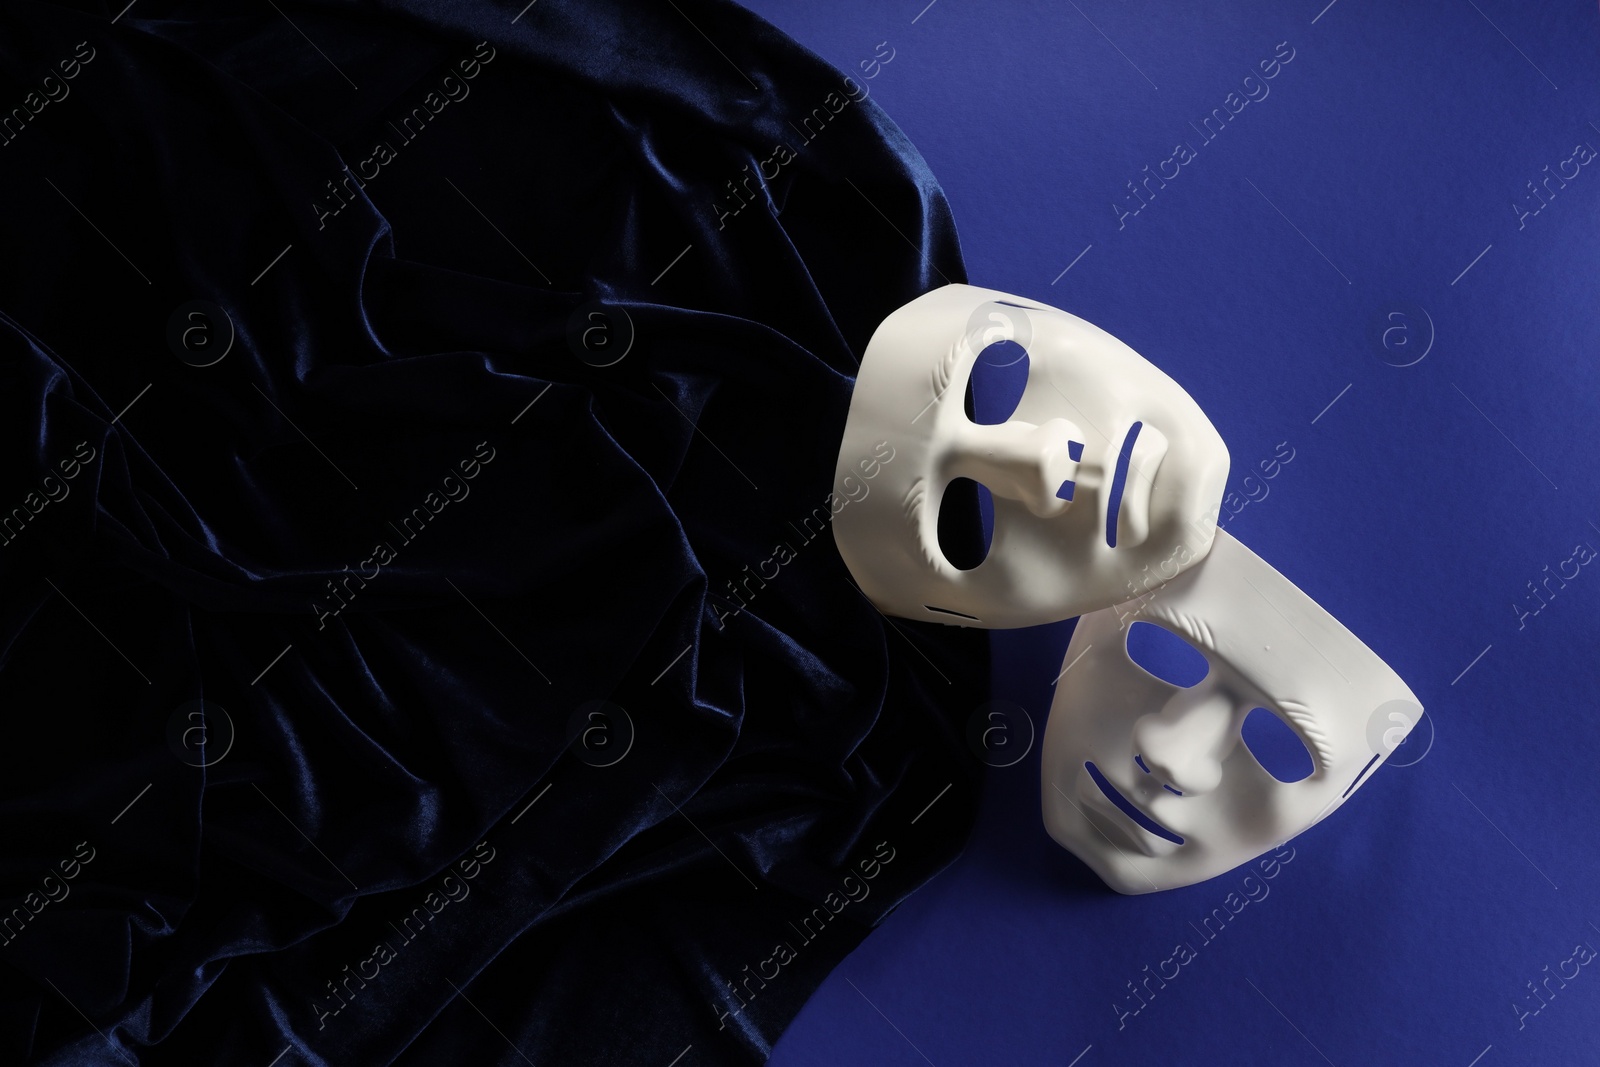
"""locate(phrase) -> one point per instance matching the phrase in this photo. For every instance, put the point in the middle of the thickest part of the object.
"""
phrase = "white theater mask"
(1159, 783)
(1105, 469)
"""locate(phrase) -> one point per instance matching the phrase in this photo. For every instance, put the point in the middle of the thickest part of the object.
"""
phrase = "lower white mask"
(1160, 783)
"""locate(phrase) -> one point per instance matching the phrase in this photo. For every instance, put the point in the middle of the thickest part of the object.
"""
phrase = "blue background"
(1376, 178)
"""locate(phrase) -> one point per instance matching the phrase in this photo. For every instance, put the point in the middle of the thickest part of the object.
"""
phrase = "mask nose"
(1037, 465)
(1185, 743)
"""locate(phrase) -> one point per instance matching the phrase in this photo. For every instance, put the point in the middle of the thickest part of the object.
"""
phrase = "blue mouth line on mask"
(1127, 807)
(1119, 484)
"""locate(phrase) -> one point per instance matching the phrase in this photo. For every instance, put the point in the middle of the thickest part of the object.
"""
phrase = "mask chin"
(1099, 472)
(1151, 774)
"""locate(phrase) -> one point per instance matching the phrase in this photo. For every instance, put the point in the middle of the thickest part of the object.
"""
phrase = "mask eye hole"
(995, 386)
(1164, 654)
(1276, 746)
(966, 523)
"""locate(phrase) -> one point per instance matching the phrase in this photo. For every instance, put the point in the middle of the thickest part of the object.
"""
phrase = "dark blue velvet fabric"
(416, 521)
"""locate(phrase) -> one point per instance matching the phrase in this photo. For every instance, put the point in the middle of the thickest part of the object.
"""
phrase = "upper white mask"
(1173, 753)
(1095, 420)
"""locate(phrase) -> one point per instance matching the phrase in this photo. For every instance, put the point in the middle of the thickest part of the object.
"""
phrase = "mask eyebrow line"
(1189, 627)
(1306, 722)
(944, 371)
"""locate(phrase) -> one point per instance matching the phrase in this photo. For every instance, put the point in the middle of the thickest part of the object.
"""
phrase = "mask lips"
(1119, 483)
(1128, 807)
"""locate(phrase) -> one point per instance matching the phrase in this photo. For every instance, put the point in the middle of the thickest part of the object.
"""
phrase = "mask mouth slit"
(1360, 776)
(1127, 807)
(947, 611)
(1119, 482)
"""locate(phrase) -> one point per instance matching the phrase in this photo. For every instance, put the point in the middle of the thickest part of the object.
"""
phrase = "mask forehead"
(1267, 645)
(1061, 545)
